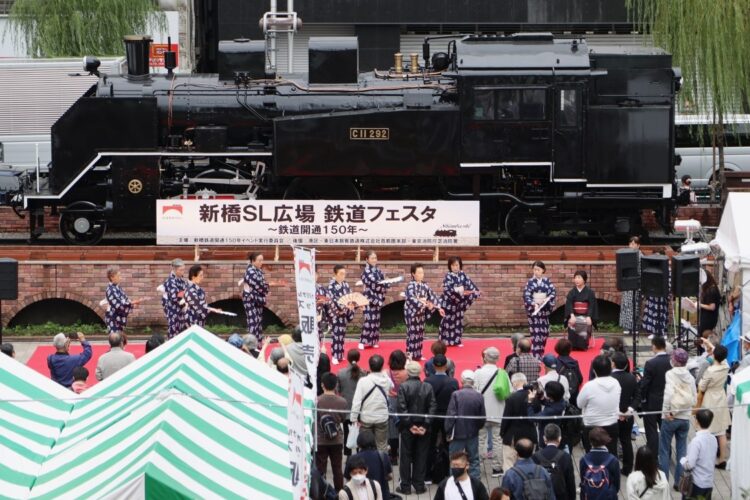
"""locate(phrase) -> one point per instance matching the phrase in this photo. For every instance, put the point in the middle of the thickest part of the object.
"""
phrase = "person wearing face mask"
(459, 485)
(359, 487)
(539, 299)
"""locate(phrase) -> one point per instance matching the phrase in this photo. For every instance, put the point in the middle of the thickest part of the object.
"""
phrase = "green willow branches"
(74, 28)
(710, 42)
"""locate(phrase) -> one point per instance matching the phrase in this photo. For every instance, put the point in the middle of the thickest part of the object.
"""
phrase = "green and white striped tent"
(33, 411)
(195, 418)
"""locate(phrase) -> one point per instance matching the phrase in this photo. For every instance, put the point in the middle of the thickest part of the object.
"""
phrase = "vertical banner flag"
(304, 273)
(297, 462)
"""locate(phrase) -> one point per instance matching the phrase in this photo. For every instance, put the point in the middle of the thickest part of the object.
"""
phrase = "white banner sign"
(296, 423)
(317, 222)
(304, 274)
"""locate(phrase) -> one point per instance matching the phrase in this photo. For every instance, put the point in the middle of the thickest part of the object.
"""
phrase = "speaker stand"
(634, 325)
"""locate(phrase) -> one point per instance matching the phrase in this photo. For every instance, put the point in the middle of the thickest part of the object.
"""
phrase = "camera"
(73, 335)
(534, 386)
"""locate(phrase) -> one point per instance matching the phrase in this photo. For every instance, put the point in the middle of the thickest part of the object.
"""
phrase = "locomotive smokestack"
(137, 48)
(398, 63)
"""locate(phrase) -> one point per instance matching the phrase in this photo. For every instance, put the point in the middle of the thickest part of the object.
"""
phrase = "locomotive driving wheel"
(524, 225)
(80, 224)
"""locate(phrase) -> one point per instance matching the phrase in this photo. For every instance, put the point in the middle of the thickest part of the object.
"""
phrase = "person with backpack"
(379, 467)
(599, 469)
(599, 401)
(330, 432)
(569, 368)
(526, 480)
(486, 379)
(557, 463)
(680, 396)
(460, 485)
(370, 402)
(359, 486)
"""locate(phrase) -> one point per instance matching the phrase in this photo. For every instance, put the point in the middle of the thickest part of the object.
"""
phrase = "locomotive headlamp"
(91, 65)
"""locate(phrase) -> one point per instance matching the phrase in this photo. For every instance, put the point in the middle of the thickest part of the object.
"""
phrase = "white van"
(693, 144)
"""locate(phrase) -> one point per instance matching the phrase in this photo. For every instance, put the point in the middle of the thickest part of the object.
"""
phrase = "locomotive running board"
(99, 156)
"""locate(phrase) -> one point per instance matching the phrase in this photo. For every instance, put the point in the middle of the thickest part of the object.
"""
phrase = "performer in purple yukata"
(459, 292)
(119, 306)
(539, 300)
(375, 293)
(339, 315)
(419, 305)
(173, 298)
(254, 292)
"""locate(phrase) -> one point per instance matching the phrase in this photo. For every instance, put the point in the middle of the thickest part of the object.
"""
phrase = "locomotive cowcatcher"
(551, 135)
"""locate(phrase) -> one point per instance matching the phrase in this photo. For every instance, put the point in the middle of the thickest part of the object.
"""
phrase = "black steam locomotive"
(550, 135)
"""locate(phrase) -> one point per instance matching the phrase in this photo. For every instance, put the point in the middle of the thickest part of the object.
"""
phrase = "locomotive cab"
(521, 103)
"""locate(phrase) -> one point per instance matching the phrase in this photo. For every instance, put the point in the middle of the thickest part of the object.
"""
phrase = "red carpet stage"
(466, 358)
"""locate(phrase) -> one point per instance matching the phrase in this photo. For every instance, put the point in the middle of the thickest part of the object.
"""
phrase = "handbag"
(686, 483)
(351, 439)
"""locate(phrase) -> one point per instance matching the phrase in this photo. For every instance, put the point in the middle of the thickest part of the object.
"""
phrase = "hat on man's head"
(439, 360)
(745, 337)
(178, 263)
(413, 369)
(679, 357)
(467, 375)
(549, 360)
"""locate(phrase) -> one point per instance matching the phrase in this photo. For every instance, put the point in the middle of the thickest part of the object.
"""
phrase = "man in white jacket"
(370, 403)
(680, 396)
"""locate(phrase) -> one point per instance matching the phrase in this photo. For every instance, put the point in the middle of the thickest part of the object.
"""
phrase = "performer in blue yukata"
(196, 305)
(459, 292)
(119, 306)
(539, 299)
(339, 315)
(375, 293)
(419, 305)
(254, 292)
(173, 298)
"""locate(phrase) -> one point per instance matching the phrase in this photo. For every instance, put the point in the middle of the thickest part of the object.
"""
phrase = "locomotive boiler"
(549, 134)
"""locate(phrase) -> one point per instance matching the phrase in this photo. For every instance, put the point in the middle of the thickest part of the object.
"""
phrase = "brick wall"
(501, 284)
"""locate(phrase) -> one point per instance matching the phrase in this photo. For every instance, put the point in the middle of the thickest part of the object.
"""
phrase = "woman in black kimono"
(580, 312)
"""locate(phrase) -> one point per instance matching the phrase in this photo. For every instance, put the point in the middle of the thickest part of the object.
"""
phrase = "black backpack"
(555, 472)
(534, 485)
(440, 464)
(572, 428)
(573, 380)
(329, 427)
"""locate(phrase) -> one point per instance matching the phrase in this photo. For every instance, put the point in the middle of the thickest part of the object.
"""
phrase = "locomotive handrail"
(103, 154)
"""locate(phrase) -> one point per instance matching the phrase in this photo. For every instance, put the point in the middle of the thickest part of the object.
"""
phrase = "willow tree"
(710, 42)
(74, 28)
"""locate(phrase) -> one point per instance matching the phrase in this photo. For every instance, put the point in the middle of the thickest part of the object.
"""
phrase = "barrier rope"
(374, 415)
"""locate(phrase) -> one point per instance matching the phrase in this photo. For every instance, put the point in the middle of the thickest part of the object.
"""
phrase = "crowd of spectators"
(437, 429)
